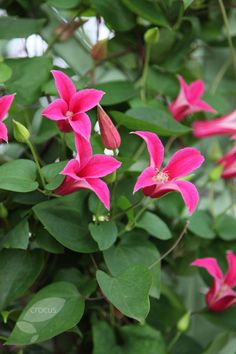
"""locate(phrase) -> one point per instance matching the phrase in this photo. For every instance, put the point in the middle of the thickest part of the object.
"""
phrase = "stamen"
(69, 114)
(161, 177)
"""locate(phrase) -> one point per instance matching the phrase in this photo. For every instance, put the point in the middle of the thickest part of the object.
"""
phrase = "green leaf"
(18, 271)
(68, 4)
(201, 225)
(24, 80)
(65, 224)
(18, 236)
(13, 27)
(116, 92)
(52, 174)
(104, 234)
(134, 250)
(122, 21)
(18, 176)
(104, 339)
(149, 10)
(45, 241)
(5, 72)
(53, 310)
(224, 319)
(158, 121)
(128, 292)
(154, 226)
(225, 227)
(187, 3)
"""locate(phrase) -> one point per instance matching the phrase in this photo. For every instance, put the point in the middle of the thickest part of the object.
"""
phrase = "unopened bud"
(99, 50)
(21, 133)
(184, 322)
(3, 211)
(152, 35)
(109, 134)
(215, 174)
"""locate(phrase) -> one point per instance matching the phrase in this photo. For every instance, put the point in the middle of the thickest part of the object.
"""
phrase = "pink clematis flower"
(86, 170)
(228, 161)
(221, 295)
(225, 125)
(69, 110)
(156, 182)
(5, 104)
(189, 100)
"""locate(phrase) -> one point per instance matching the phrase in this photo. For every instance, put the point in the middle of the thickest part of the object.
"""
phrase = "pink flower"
(5, 104)
(225, 125)
(69, 110)
(155, 182)
(221, 294)
(109, 134)
(86, 170)
(189, 100)
(228, 161)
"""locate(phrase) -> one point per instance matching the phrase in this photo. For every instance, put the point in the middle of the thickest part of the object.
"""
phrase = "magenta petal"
(189, 194)
(203, 106)
(84, 100)
(64, 85)
(3, 132)
(81, 125)
(100, 166)
(71, 169)
(183, 162)
(195, 90)
(70, 185)
(145, 179)
(5, 104)
(101, 190)
(211, 265)
(154, 146)
(56, 110)
(230, 276)
(83, 149)
(184, 88)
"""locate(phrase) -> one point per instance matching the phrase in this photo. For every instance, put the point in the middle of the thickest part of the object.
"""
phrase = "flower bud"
(152, 35)
(99, 50)
(21, 133)
(184, 322)
(109, 134)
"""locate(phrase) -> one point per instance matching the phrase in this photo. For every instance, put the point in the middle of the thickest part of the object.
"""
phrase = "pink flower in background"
(5, 104)
(221, 294)
(69, 110)
(225, 125)
(109, 134)
(156, 182)
(189, 100)
(228, 161)
(86, 170)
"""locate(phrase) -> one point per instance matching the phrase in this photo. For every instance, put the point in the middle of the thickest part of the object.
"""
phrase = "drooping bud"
(21, 133)
(99, 50)
(109, 134)
(152, 35)
(184, 322)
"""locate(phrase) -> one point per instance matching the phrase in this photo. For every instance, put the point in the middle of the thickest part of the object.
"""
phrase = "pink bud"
(109, 134)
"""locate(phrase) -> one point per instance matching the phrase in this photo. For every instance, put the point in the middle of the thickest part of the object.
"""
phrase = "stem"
(173, 341)
(145, 72)
(33, 151)
(173, 247)
(127, 209)
(219, 76)
(229, 38)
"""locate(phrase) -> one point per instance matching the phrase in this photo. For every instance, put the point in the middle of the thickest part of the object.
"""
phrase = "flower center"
(161, 177)
(69, 114)
(223, 289)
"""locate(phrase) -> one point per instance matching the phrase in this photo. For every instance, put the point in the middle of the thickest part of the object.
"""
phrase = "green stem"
(145, 72)
(219, 76)
(33, 151)
(173, 341)
(229, 38)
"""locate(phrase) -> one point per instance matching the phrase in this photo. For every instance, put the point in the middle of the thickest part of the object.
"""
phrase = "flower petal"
(100, 189)
(71, 169)
(195, 90)
(84, 100)
(211, 265)
(81, 125)
(83, 149)
(230, 276)
(189, 194)
(56, 110)
(3, 132)
(154, 146)
(183, 162)
(70, 185)
(5, 104)
(64, 85)
(145, 179)
(99, 166)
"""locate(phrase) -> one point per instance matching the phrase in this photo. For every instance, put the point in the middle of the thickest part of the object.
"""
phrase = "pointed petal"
(83, 149)
(84, 100)
(154, 146)
(70, 185)
(184, 87)
(211, 265)
(99, 166)
(204, 106)
(64, 85)
(101, 190)
(71, 169)
(56, 110)
(3, 132)
(195, 90)
(81, 125)
(189, 194)
(230, 276)
(5, 104)
(145, 179)
(183, 162)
